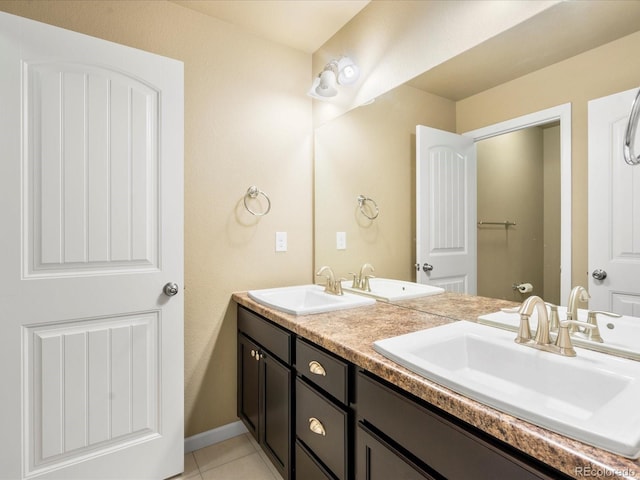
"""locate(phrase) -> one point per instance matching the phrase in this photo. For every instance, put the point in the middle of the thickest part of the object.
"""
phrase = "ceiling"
(560, 32)
(301, 24)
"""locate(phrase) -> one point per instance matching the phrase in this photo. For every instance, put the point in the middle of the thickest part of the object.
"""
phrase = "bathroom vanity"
(324, 405)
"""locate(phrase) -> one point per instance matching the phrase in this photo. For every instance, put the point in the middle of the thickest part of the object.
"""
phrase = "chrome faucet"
(332, 285)
(360, 280)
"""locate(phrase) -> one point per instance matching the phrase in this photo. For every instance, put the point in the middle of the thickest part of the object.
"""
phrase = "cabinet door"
(377, 460)
(249, 384)
(275, 427)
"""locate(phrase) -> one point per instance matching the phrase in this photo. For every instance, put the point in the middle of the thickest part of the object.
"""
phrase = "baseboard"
(216, 435)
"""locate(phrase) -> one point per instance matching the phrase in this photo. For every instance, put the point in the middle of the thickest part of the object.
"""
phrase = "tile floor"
(238, 458)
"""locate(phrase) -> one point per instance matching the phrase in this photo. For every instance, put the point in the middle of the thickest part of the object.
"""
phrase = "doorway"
(555, 117)
(518, 209)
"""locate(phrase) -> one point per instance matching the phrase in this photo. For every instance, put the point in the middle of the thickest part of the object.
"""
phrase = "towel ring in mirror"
(630, 134)
(252, 193)
(362, 200)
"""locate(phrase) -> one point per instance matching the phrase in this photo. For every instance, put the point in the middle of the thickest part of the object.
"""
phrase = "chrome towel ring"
(362, 200)
(252, 193)
(627, 148)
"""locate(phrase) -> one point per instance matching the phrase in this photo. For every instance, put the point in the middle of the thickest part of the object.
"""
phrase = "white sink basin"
(620, 335)
(389, 290)
(307, 299)
(592, 397)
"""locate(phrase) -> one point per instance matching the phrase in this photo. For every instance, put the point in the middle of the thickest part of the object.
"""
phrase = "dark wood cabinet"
(307, 467)
(249, 385)
(442, 444)
(317, 418)
(323, 427)
(265, 388)
(378, 459)
(324, 416)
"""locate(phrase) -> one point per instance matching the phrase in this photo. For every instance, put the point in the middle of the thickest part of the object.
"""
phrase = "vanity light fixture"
(337, 72)
(348, 71)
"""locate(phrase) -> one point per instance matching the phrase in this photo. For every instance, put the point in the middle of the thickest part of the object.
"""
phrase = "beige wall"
(593, 74)
(371, 151)
(246, 123)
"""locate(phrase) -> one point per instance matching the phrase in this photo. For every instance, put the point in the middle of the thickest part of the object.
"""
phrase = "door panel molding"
(89, 384)
(91, 167)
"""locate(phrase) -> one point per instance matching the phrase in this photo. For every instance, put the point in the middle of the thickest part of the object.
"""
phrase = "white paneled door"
(614, 209)
(91, 169)
(446, 210)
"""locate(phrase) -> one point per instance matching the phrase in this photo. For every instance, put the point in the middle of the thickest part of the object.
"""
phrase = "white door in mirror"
(614, 199)
(446, 209)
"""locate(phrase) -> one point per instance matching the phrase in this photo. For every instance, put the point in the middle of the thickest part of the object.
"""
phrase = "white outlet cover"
(281, 241)
(341, 240)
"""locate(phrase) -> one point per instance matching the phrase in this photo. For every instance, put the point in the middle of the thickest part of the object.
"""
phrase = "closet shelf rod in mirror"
(506, 223)
(252, 193)
(362, 200)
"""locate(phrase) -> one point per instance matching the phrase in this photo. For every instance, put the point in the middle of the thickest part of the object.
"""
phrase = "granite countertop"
(351, 333)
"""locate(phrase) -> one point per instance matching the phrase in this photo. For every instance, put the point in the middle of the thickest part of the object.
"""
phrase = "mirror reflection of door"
(519, 182)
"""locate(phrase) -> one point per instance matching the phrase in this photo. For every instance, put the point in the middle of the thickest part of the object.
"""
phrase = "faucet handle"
(599, 312)
(563, 342)
(594, 333)
(524, 330)
(355, 282)
(554, 319)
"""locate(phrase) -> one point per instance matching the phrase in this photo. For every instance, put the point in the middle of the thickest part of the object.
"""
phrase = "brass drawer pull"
(256, 355)
(317, 368)
(316, 426)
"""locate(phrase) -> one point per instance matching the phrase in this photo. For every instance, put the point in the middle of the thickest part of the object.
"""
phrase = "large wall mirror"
(371, 150)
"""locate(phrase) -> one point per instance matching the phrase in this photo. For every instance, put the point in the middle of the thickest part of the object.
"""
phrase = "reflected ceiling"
(561, 32)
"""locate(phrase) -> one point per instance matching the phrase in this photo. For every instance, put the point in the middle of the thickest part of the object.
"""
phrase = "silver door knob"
(170, 289)
(599, 274)
(427, 268)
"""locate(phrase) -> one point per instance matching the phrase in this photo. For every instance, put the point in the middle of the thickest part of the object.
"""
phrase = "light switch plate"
(281, 241)
(341, 240)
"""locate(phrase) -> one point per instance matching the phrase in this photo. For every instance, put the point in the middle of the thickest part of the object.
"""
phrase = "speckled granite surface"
(456, 305)
(351, 333)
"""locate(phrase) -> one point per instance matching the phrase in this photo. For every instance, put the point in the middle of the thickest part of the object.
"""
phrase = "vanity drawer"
(323, 428)
(273, 338)
(307, 468)
(323, 369)
(377, 460)
(435, 440)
